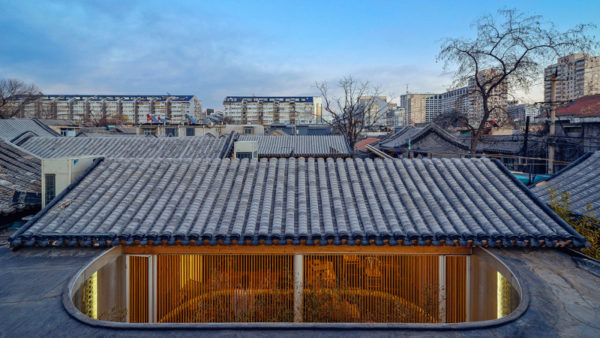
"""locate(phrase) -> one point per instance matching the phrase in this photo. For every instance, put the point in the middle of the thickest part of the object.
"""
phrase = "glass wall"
(368, 288)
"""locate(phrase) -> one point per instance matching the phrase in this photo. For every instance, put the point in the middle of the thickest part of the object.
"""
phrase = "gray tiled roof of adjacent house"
(406, 202)
(307, 146)
(413, 134)
(20, 175)
(581, 180)
(130, 147)
(507, 144)
(11, 128)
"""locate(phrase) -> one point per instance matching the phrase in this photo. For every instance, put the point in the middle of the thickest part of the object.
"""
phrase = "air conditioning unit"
(59, 173)
(245, 149)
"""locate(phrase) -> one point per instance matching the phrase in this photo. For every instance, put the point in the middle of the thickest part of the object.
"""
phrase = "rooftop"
(20, 176)
(130, 147)
(307, 146)
(362, 144)
(395, 202)
(12, 128)
(412, 134)
(587, 106)
(581, 180)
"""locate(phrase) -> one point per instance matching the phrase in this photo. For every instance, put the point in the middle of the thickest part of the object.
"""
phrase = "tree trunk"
(475, 138)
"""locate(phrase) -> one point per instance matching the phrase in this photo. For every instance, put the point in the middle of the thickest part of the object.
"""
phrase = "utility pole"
(552, 126)
(526, 150)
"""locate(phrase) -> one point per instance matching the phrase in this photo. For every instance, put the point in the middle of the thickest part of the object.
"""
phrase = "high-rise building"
(577, 75)
(266, 110)
(455, 100)
(379, 110)
(497, 102)
(452, 100)
(131, 109)
(433, 107)
(415, 108)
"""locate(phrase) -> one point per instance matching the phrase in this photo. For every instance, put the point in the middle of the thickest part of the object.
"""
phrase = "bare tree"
(354, 112)
(14, 94)
(454, 119)
(507, 53)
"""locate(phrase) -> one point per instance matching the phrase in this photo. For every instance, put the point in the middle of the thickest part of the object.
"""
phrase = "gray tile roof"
(11, 128)
(581, 179)
(399, 201)
(130, 147)
(20, 174)
(491, 144)
(307, 146)
(414, 134)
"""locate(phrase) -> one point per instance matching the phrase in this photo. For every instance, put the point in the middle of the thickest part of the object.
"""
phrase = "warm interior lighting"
(91, 296)
(503, 296)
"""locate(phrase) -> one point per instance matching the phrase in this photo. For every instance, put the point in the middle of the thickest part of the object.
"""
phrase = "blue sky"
(217, 48)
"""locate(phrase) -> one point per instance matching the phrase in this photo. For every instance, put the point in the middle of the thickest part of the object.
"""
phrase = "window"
(243, 155)
(190, 132)
(171, 132)
(67, 131)
(248, 130)
(50, 187)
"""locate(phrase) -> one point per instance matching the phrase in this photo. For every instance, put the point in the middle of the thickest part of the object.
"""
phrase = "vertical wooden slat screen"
(224, 288)
(138, 289)
(456, 289)
(260, 288)
(371, 288)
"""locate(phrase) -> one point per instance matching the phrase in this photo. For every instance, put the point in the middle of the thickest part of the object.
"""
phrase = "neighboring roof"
(131, 147)
(103, 132)
(302, 129)
(587, 106)
(20, 174)
(403, 202)
(307, 146)
(361, 145)
(61, 122)
(278, 132)
(581, 179)
(11, 128)
(503, 144)
(401, 138)
(563, 301)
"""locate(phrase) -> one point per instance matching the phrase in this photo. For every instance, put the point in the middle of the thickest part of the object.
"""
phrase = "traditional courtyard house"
(19, 183)
(334, 146)
(304, 240)
(432, 141)
(577, 128)
(429, 141)
(581, 179)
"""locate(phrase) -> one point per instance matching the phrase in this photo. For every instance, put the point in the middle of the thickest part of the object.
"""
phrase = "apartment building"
(497, 102)
(130, 109)
(415, 107)
(452, 100)
(577, 75)
(378, 112)
(266, 110)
